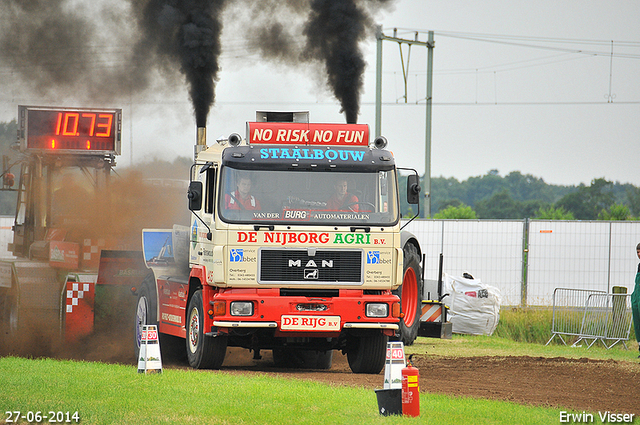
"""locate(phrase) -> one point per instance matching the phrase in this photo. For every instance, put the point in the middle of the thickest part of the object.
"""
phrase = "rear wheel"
(146, 309)
(367, 353)
(203, 352)
(410, 293)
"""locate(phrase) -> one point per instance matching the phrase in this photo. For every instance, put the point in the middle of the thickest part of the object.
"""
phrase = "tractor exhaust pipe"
(201, 142)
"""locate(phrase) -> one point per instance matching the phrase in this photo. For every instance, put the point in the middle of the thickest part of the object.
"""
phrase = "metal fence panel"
(625, 235)
(572, 254)
(591, 316)
(607, 317)
(568, 310)
(594, 255)
(490, 250)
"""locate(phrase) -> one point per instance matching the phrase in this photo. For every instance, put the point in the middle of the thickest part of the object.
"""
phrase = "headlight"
(377, 310)
(241, 308)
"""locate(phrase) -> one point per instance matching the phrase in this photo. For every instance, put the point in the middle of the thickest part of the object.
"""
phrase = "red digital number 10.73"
(68, 123)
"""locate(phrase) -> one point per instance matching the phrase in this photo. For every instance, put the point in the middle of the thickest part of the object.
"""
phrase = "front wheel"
(203, 352)
(367, 353)
(410, 293)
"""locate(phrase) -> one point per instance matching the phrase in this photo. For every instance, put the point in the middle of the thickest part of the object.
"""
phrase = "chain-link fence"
(528, 259)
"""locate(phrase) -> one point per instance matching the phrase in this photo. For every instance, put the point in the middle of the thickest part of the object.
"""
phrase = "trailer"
(68, 276)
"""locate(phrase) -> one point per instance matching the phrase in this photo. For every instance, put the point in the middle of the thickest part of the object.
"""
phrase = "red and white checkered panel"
(76, 292)
(91, 253)
(79, 307)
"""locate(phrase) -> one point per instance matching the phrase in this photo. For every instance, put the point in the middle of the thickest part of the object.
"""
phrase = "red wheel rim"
(409, 297)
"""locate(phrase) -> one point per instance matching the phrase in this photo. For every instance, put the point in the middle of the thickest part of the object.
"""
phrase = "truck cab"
(294, 246)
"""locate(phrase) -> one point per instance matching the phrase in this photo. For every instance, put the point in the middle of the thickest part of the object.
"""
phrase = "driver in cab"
(241, 198)
(342, 200)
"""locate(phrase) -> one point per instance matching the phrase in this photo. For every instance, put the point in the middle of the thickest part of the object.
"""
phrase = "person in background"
(342, 200)
(635, 302)
(241, 198)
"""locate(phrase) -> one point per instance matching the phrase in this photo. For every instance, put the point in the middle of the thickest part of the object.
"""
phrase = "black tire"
(305, 359)
(146, 310)
(171, 347)
(8, 319)
(410, 293)
(203, 352)
(367, 353)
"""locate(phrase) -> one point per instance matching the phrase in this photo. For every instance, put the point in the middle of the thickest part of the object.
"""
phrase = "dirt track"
(571, 384)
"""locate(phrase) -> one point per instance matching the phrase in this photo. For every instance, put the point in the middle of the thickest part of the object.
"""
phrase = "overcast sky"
(527, 86)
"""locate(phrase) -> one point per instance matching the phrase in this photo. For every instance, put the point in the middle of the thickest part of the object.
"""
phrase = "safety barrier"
(591, 316)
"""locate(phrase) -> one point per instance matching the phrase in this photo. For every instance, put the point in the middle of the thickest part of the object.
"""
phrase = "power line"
(505, 67)
(537, 42)
(488, 37)
(335, 103)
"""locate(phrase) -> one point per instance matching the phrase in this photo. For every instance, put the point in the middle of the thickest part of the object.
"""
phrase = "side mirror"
(413, 189)
(194, 194)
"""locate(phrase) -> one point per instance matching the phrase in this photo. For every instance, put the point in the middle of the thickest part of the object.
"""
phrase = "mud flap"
(119, 272)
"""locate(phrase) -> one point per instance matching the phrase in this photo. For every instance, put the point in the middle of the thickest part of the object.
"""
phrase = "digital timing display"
(71, 130)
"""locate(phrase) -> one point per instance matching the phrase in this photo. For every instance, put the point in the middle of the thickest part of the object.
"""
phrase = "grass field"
(117, 394)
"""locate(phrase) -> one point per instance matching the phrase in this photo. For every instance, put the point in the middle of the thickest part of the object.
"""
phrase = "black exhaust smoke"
(59, 52)
(188, 31)
(46, 44)
(333, 31)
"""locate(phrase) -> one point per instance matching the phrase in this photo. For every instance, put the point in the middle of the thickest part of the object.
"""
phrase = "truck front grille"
(309, 266)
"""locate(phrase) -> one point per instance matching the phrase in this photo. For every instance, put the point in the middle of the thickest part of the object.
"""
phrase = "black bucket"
(389, 401)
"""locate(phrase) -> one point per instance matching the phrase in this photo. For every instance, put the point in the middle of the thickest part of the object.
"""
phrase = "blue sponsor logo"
(373, 257)
(236, 255)
(194, 234)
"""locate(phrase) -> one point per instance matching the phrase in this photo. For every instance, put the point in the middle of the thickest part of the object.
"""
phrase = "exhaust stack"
(201, 142)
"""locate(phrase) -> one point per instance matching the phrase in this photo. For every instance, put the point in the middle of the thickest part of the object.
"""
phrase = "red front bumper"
(300, 315)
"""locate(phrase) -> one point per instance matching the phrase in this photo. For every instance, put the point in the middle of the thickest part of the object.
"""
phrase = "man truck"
(295, 245)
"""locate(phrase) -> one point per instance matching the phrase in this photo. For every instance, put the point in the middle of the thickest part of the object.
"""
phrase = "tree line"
(519, 196)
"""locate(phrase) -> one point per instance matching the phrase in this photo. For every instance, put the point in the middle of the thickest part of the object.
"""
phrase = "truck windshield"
(306, 197)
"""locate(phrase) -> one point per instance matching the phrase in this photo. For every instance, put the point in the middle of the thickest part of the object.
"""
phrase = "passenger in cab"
(342, 200)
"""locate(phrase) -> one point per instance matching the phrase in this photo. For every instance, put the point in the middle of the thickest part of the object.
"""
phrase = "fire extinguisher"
(410, 390)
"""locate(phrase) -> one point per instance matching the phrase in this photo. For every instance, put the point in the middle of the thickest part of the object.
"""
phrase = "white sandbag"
(474, 308)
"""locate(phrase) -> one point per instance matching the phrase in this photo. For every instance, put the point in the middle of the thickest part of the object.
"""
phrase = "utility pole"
(427, 153)
(430, 44)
